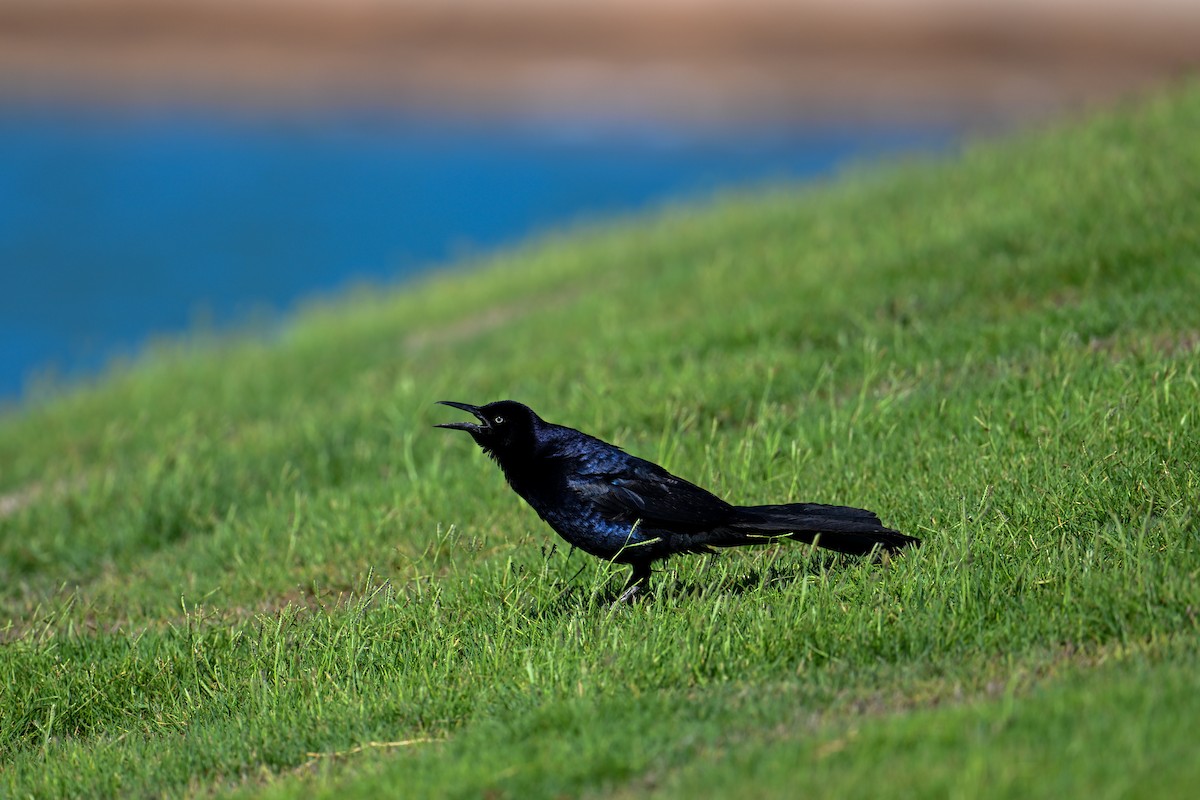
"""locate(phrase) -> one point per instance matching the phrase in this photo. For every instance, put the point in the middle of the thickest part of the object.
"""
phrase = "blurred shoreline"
(721, 62)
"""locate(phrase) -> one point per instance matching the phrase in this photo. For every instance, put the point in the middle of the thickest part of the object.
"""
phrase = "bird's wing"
(644, 491)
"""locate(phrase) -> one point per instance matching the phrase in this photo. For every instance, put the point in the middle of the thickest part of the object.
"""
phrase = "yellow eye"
(498, 420)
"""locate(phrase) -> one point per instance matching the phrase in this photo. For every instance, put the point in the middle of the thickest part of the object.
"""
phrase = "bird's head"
(505, 427)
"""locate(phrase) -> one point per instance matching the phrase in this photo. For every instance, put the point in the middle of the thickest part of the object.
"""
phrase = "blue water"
(115, 229)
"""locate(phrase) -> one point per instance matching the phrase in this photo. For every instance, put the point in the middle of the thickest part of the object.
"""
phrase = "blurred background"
(173, 164)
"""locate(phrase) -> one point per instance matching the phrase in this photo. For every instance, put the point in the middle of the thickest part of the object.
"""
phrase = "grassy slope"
(237, 554)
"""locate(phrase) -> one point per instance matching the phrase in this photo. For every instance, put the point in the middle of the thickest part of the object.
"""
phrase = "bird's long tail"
(841, 528)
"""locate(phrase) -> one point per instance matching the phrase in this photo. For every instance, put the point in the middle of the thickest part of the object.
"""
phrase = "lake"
(115, 228)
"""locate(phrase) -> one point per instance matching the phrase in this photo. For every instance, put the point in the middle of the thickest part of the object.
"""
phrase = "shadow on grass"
(716, 577)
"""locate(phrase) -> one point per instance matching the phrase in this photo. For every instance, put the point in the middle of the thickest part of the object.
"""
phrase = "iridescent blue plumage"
(623, 508)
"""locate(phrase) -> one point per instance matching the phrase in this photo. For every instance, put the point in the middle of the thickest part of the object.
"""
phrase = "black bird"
(625, 509)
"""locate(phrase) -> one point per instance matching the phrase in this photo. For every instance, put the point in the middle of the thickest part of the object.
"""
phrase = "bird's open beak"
(463, 426)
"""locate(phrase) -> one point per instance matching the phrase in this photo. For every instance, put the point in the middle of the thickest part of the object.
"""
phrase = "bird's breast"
(576, 518)
(590, 531)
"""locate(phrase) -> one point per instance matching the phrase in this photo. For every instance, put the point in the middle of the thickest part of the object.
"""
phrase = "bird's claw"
(631, 594)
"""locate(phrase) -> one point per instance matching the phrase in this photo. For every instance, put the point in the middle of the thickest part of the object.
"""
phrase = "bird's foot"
(631, 594)
(638, 585)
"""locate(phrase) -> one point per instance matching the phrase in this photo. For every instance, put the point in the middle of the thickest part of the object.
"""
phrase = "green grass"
(251, 566)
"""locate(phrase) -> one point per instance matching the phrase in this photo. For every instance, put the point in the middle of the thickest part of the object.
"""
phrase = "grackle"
(625, 509)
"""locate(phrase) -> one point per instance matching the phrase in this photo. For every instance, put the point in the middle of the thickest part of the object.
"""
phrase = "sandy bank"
(708, 60)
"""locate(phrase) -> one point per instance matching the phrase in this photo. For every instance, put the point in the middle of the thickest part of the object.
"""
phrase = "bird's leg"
(638, 584)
